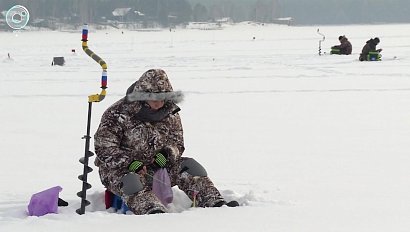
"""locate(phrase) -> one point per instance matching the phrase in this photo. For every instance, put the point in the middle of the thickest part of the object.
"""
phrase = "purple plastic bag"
(161, 186)
(44, 202)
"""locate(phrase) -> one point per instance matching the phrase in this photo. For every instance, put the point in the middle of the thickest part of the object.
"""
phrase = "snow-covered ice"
(304, 142)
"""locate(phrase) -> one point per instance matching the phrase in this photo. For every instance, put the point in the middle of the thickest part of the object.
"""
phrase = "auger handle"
(101, 62)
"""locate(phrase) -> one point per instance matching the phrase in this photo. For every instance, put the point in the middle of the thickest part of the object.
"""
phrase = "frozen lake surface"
(304, 142)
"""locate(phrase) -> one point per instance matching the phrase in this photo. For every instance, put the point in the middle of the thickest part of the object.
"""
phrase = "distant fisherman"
(345, 47)
(370, 49)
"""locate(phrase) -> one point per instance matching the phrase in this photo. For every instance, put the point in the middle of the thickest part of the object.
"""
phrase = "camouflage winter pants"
(145, 201)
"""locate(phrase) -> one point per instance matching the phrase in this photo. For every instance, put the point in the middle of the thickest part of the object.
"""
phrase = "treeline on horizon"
(166, 12)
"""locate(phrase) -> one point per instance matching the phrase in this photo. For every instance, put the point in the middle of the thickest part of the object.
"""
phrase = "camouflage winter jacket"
(130, 131)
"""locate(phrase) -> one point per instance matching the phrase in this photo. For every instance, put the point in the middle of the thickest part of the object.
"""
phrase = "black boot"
(232, 204)
(157, 211)
(229, 204)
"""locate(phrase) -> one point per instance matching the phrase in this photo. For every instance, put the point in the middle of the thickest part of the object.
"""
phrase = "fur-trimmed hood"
(153, 85)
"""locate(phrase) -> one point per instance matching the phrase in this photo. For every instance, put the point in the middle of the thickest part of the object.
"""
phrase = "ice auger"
(320, 42)
(92, 98)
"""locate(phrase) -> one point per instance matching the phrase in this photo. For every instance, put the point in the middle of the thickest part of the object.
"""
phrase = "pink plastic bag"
(161, 186)
(44, 202)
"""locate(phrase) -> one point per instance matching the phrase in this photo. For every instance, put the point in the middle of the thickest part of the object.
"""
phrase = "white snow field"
(304, 142)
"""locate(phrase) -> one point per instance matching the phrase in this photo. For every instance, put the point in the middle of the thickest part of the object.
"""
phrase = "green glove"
(136, 166)
(161, 159)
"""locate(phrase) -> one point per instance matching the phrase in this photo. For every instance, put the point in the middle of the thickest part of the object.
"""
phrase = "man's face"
(156, 105)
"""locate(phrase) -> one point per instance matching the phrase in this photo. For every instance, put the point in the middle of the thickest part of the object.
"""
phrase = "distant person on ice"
(345, 47)
(141, 134)
(370, 47)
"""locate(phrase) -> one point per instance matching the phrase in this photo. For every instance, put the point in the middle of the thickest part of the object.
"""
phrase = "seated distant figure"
(345, 47)
(369, 51)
